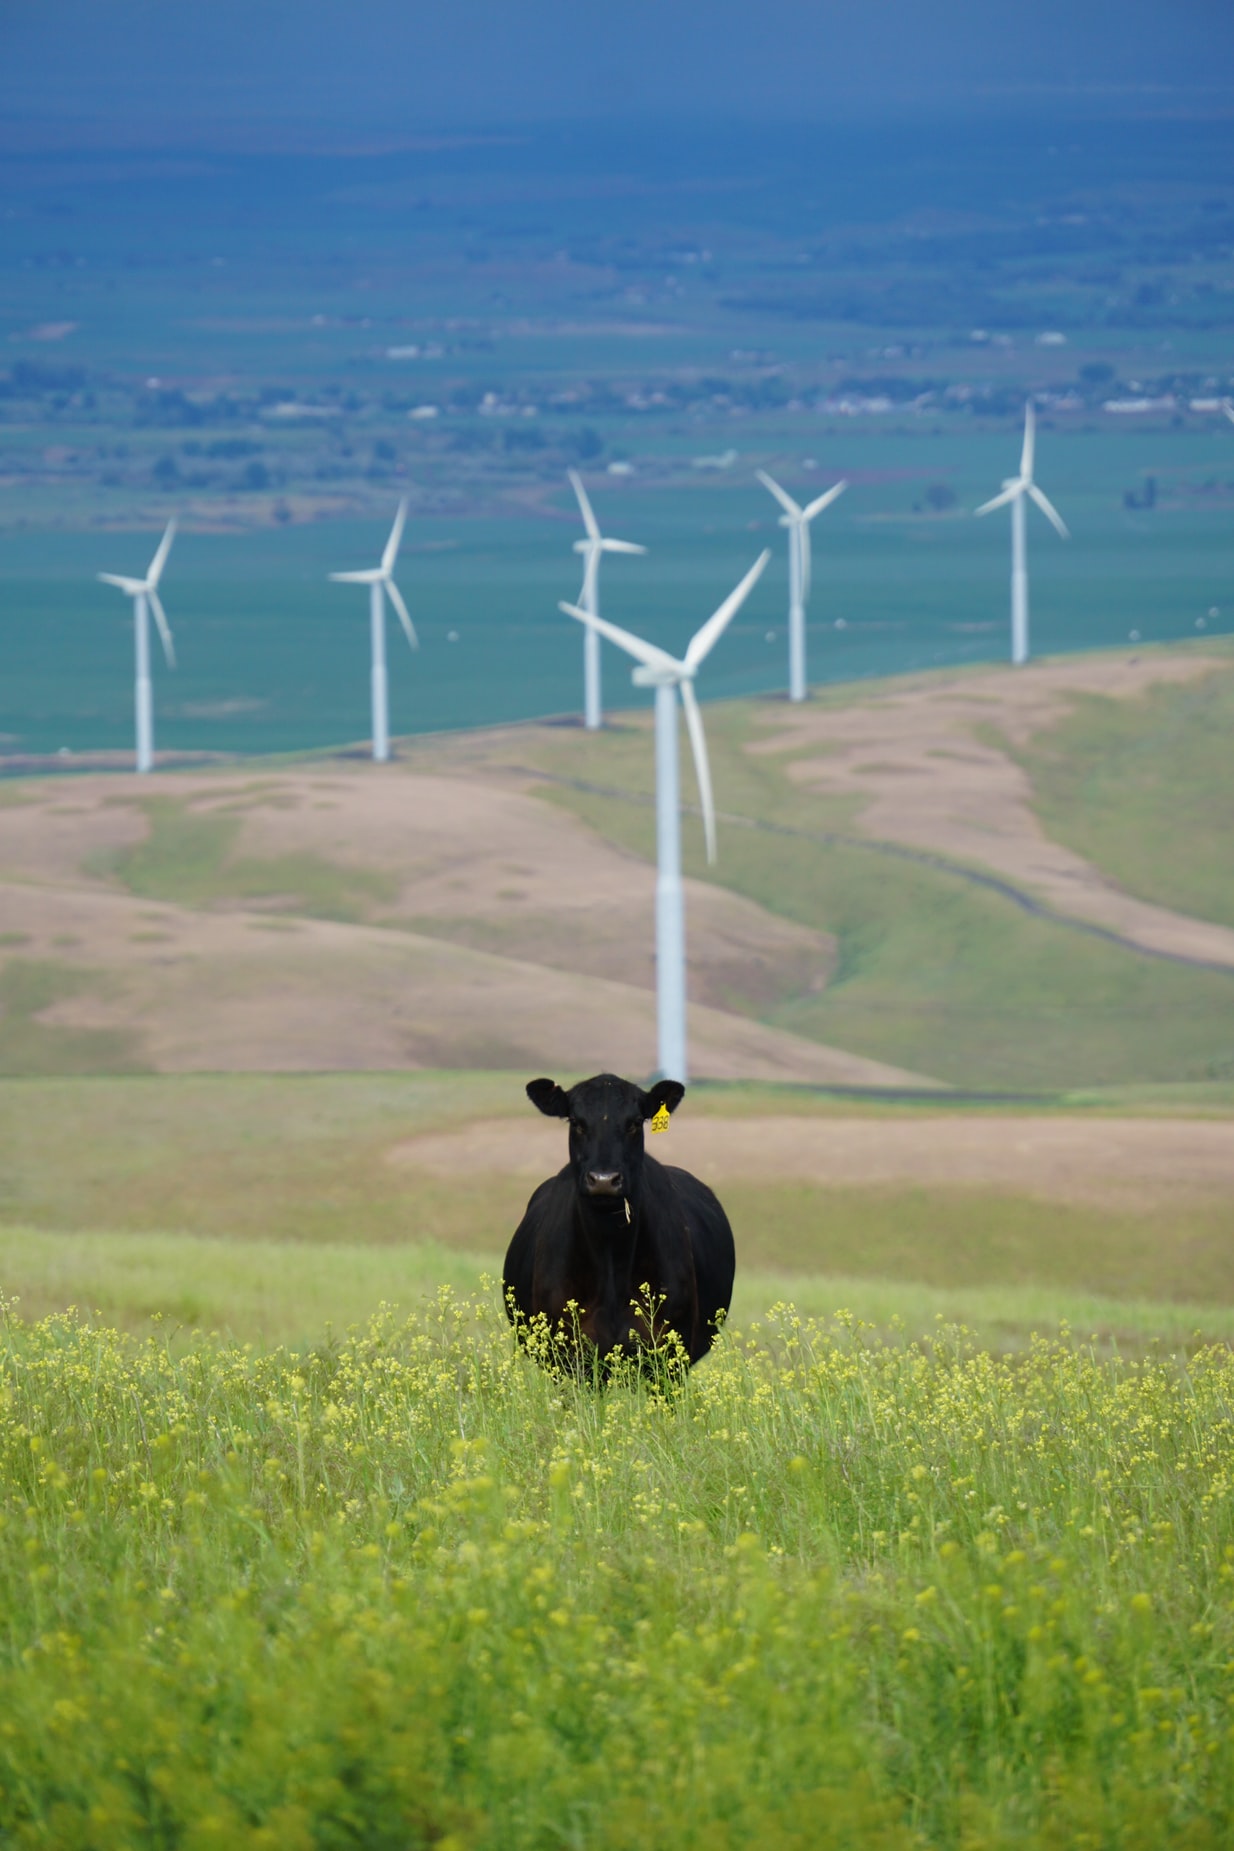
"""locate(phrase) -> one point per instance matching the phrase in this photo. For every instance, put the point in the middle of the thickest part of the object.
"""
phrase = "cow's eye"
(634, 1127)
(576, 1124)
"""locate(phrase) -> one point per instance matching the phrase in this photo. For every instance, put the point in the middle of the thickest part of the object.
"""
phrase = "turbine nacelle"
(607, 546)
(797, 519)
(1016, 486)
(383, 575)
(794, 514)
(591, 549)
(148, 588)
(647, 677)
(657, 669)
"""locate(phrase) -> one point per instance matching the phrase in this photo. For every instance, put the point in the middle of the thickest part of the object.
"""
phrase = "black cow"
(613, 1221)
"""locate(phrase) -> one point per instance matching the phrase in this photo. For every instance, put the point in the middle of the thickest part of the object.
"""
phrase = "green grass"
(28, 1045)
(266, 1205)
(934, 974)
(952, 1238)
(1142, 790)
(269, 1292)
(188, 857)
(264, 1292)
(412, 1590)
(297, 1158)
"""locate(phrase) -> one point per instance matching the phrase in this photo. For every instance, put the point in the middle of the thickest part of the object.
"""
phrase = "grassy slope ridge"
(934, 974)
(1142, 790)
(413, 1590)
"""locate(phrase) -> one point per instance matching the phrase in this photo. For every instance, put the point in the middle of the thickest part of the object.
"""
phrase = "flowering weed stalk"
(417, 1589)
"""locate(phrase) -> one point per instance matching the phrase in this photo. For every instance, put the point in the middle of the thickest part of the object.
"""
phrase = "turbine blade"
(786, 501)
(589, 519)
(164, 628)
(704, 641)
(698, 744)
(358, 578)
(646, 653)
(1030, 433)
(404, 617)
(1050, 511)
(130, 585)
(396, 536)
(620, 546)
(589, 596)
(1000, 501)
(1228, 409)
(824, 501)
(160, 558)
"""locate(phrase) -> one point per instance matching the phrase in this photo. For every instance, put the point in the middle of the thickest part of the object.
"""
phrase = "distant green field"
(1142, 790)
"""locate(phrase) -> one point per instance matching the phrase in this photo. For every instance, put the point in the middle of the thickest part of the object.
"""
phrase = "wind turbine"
(145, 595)
(380, 579)
(589, 598)
(1014, 490)
(797, 519)
(667, 674)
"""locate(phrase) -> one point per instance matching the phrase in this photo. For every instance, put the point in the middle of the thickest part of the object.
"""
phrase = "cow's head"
(606, 1131)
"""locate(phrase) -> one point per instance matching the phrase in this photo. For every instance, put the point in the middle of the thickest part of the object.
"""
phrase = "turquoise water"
(273, 658)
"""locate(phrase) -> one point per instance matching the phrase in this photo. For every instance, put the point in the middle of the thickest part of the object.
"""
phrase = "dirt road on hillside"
(930, 777)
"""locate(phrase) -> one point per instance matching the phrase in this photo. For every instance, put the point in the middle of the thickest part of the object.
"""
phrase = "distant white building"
(1130, 406)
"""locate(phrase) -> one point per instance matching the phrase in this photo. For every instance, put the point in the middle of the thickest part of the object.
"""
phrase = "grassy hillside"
(232, 920)
(934, 973)
(1143, 790)
(188, 858)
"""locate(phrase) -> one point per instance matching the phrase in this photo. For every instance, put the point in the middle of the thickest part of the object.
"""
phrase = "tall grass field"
(415, 1589)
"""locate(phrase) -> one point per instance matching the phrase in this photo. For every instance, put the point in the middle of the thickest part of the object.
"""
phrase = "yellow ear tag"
(660, 1121)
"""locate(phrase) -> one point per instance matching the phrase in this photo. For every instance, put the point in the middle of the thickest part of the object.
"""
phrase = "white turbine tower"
(666, 674)
(380, 580)
(1014, 490)
(589, 598)
(797, 519)
(145, 595)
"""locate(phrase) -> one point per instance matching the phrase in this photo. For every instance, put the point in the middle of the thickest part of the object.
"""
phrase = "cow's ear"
(549, 1097)
(666, 1093)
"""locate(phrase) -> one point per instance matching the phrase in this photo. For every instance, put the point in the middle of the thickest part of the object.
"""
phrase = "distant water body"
(272, 658)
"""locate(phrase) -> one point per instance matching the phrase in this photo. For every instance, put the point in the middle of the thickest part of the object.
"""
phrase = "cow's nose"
(603, 1182)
